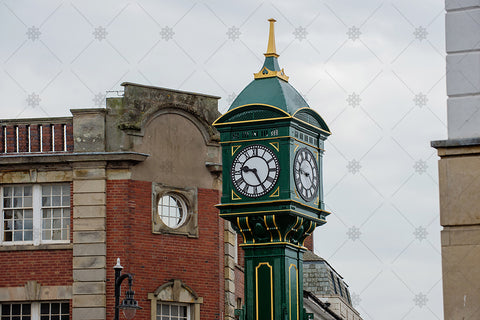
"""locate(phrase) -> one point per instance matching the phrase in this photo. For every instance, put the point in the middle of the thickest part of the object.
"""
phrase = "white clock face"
(255, 171)
(305, 173)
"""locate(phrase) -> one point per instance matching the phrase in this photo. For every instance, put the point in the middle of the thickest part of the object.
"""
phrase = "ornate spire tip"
(271, 50)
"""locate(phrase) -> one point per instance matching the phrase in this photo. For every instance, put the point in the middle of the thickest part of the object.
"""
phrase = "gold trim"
(240, 229)
(267, 73)
(250, 229)
(262, 202)
(311, 125)
(296, 194)
(271, 288)
(268, 228)
(316, 153)
(272, 244)
(269, 211)
(250, 121)
(235, 196)
(275, 193)
(235, 148)
(271, 138)
(271, 49)
(247, 105)
(290, 290)
(317, 201)
(296, 146)
(276, 145)
(294, 228)
(300, 109)
(275, 224)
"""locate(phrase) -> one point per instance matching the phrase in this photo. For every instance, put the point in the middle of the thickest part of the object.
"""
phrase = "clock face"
(305, 173)
(255, 171)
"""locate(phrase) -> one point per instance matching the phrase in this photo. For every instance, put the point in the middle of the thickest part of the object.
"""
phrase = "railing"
(36, 136)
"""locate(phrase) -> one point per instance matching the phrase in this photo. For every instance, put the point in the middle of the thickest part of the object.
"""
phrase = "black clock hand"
(254, 170)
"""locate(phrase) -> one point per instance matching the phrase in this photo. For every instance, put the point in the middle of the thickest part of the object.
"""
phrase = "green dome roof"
(271, 91)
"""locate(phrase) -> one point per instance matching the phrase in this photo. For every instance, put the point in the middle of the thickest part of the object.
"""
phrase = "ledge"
(30, 247)
(452, 143)
(69, 157)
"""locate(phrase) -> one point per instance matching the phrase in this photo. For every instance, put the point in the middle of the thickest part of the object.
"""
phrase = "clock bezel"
(298, 181)
(273, 181)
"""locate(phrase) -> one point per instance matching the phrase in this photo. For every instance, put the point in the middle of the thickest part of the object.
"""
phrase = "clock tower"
(272, 149)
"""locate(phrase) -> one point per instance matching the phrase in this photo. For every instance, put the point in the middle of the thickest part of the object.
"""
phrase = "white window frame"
(34, 307)
(37, 217)
(159, 316)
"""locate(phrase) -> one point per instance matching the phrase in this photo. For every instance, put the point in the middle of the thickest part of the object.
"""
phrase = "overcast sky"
(374, 70)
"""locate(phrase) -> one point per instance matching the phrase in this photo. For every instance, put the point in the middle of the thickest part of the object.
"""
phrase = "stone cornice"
(71, 157)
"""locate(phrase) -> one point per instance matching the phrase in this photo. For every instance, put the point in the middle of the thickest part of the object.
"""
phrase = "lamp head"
(129, 305)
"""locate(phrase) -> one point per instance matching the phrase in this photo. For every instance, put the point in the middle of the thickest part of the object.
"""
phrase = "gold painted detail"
(267, 73)
(235, 148)
(235, 196)
(317, 200)
(271, 49)
(271, 288)
(276, 145)
(290, 291)
(275, 193)
(296, 147)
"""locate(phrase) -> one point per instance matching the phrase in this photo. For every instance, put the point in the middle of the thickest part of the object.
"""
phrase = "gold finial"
(271, 50)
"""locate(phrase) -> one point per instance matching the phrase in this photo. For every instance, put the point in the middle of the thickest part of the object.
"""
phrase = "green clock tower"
(272, 148)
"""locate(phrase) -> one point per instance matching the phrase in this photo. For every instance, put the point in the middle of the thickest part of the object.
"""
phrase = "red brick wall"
(308, 243)
(159, 258)
(47, 267)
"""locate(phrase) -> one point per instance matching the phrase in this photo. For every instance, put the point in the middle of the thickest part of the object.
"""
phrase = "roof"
(271, 91)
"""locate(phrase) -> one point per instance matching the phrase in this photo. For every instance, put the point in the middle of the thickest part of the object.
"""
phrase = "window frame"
(160, 302)
(189, 227)
(37, 215)
(35, 309)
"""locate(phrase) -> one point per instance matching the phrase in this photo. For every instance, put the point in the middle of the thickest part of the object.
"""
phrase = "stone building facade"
(459, 165)
(138, 181)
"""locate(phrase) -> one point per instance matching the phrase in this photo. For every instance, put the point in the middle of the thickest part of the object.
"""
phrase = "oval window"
(172, 210)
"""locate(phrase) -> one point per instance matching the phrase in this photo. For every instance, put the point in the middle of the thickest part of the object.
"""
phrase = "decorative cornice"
(267, 73)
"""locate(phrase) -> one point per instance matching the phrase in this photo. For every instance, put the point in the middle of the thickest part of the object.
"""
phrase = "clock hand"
(254, 170)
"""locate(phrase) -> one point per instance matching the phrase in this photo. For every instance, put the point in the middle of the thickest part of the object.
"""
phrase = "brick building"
(139, 181)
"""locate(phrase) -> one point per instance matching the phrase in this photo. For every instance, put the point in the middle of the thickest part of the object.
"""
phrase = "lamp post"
(129, 304)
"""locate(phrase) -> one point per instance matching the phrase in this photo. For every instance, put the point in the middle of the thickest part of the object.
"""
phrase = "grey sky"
(373, 69)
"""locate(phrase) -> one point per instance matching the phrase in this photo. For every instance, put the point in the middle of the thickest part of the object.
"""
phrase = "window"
(35, 311)
(168, 305)
(168, 311)
(172, 210)
(34, 214)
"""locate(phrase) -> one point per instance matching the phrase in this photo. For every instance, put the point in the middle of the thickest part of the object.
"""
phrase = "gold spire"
(271, 50)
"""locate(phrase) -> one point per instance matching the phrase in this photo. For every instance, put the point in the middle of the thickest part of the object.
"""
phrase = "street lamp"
(129, 304)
